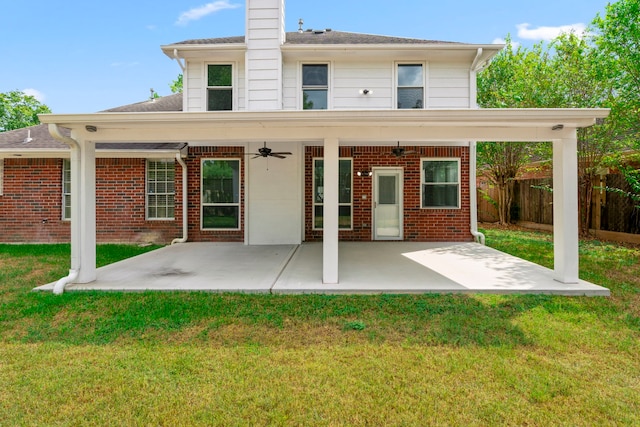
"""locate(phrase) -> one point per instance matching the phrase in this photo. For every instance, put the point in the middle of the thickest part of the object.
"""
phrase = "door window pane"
(387, 190)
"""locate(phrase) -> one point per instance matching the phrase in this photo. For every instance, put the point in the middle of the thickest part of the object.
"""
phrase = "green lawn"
(226, 359)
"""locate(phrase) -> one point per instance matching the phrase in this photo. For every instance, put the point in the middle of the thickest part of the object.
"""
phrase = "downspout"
(177, 58)
(185, 204)
(473, 194)
(54, 130)
(473, 190)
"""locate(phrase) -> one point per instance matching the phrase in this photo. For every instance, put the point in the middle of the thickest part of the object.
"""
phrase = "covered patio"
(339, 269)
(365, 268)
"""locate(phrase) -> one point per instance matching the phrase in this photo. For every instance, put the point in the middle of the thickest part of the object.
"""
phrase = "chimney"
(265, 34)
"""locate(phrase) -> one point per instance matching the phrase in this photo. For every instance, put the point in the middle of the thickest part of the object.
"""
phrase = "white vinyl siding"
(194, 87)
(449, 85)
(349, 78)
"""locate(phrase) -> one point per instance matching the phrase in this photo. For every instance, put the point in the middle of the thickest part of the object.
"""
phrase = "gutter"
(185, 204)
(54, 130)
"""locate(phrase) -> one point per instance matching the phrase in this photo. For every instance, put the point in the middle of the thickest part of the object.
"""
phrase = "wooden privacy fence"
(610, 211)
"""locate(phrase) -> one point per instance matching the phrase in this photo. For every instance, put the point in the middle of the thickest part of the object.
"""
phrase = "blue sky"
(82, 57)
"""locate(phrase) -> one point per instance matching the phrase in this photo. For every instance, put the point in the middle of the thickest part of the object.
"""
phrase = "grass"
(230, 359)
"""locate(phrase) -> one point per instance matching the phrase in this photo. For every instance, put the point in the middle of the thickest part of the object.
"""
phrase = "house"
(315, 135)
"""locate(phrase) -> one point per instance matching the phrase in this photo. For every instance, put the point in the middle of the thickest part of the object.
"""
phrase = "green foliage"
(176, 85)
(19, 110)
(619, 38)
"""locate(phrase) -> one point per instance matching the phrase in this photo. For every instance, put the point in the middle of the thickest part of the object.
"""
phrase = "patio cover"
(329, 128)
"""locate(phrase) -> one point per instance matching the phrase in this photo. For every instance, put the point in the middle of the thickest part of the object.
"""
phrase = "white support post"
(330, 212)
(565, 209)
(76, 202)
(85, 206)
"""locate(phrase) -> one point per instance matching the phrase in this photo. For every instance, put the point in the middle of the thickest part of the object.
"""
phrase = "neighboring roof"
(325, 37)
(41, 139)
(164, 103)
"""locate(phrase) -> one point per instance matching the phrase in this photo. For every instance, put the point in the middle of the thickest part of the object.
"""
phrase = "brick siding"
(420, 225)
(31, 204)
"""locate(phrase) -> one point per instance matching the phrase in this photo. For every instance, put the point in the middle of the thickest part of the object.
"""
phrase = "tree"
(19, 110)
(517, 78)
(618, 38)
(177, 85)
(585, 78)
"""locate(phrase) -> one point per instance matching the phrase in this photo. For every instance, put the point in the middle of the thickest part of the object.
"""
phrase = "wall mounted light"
(365, 92)
(91, 128)
(364, 173)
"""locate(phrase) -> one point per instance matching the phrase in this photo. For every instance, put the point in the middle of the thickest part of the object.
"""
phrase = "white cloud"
(39, 96)
(202, 11)
(548, 33)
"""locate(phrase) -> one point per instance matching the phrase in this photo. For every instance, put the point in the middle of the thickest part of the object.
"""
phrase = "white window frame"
(66, 166)
(423, 183)
(238, 204)
(425, 79)
(2, 176)
(170, 194)
(316, 203)
(234, 85)
(329, 82)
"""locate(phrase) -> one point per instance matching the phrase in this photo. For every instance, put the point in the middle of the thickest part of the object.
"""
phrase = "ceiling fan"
(401, 151)
(266, 152)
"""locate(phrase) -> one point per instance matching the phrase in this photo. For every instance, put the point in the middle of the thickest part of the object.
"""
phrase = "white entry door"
(387, 204)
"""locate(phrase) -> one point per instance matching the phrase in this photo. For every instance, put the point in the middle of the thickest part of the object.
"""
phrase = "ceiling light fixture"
(91, 128)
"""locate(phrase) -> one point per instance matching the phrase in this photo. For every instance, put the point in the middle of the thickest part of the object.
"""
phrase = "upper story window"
(441, 183)
(160, 189)
(410, 86)
(219, 87)
(1, 174)
(315, 86)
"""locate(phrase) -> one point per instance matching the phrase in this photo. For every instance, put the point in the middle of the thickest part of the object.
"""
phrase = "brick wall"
(31, 204)
(31, 207)
(419, 224)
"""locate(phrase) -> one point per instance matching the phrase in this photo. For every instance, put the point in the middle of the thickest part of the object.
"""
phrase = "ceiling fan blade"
(277, 155)
(283, 153)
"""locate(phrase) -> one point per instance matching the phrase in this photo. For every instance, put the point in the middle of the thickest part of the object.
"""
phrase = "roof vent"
(318, 31)
(300, 24)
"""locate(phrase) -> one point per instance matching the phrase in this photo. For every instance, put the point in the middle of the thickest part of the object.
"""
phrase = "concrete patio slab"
(406, 267)
(371, 267)
(222, 267)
